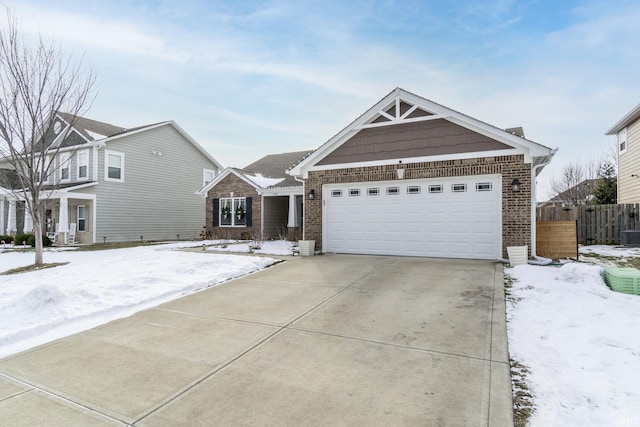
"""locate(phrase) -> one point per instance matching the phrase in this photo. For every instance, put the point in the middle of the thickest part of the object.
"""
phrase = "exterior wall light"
(515, 185)
(312, 194)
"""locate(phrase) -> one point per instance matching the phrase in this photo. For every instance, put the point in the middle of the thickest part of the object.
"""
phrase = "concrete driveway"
(325, 340)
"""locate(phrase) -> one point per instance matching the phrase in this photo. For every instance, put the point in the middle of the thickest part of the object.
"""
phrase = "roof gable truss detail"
(399, 111)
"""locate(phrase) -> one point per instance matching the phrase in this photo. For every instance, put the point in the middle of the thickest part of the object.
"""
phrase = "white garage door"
(448, 217)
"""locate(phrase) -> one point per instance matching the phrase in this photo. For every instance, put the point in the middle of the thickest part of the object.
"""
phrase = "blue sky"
(250, 78)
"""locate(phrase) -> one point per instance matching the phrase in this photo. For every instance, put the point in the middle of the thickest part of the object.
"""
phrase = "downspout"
(304, 204)
(534, 173)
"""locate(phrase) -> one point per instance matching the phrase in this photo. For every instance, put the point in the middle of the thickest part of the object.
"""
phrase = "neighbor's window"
(64, 163)
(114, 166)
(207, 176)
(622, 140)
(82, 218)
(82, 161)
(233, 212)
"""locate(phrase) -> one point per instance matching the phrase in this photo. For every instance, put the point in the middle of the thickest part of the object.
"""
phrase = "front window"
(82, 218)
(65, 166)
(114, 166)
(233, 212)
(82, 160)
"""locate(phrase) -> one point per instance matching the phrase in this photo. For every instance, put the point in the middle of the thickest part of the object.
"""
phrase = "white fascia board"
(222, 175)
(409, 160)
(628, 118)
(282, 191)
(176, 127)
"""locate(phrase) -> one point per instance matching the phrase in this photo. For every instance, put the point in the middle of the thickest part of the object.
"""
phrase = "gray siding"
(418, 139)
(157, 199)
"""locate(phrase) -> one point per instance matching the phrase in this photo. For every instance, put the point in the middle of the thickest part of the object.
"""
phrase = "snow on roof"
(95, 135)
(263, 181)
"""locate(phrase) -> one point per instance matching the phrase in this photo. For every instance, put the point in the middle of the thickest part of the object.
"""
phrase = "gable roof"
(269, 172)
(403, 107)
(629, 118)
(93, 131)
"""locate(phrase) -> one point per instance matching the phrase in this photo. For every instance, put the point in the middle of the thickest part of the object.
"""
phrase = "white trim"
(222, 175)
(177, 128)
(64, 162)
(205, 171)
(84, 151)
(283, 191)
(108, 153)
(95, 163)
(232, 212)
(622, 135)
(78, 218)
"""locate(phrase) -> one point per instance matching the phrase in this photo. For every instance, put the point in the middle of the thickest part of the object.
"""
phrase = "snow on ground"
(99, 286)
(580, 341)
(276, 247)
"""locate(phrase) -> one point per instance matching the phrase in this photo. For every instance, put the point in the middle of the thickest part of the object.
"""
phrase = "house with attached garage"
(116, 184)
(258, 198)
(413, 177)
(627, 132)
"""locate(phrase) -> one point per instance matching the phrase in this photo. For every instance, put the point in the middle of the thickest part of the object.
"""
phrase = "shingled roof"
(92, 130)
(274, 166)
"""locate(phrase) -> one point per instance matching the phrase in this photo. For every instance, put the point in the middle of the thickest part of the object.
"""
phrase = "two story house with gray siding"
(116, 184)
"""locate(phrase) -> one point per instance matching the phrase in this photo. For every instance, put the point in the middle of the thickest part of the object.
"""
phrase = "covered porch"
(282, 215)
(68, 218)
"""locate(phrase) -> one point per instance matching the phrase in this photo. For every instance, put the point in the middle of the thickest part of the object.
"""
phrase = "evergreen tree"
(606, 192)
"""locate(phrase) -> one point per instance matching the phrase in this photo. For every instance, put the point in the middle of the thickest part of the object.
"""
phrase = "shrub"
(29, 238)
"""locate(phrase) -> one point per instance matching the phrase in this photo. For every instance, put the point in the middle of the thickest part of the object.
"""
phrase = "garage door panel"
(447, 224)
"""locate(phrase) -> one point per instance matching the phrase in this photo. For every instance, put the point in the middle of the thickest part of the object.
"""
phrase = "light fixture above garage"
(312, 194)
(515, 185)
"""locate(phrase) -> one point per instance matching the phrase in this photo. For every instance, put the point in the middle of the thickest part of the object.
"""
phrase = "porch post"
(63, 218)
(28, 221)
(11, 218)
(293, 215)
(2, 229)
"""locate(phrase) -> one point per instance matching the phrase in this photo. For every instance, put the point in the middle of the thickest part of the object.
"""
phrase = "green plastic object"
(626, 280)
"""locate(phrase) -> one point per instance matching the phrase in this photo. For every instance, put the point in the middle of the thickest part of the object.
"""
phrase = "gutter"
(304, 217)
(534, 173)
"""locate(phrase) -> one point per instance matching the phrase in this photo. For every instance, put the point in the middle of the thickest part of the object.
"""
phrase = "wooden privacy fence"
(596, 224)
(556, 239)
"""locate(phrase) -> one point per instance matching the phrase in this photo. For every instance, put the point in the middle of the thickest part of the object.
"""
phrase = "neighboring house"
(627, 132)
(260, 197)
(116, 184)
(412, 177)
(580, 194)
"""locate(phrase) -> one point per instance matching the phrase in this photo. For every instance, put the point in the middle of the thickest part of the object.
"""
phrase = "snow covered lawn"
(579, 340)
(100, 286)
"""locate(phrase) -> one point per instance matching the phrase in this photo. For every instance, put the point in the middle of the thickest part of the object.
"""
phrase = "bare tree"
(36, 82)
(576, 182)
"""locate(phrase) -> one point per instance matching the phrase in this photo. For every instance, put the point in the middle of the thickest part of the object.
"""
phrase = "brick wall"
(516, 207)
(224, 188)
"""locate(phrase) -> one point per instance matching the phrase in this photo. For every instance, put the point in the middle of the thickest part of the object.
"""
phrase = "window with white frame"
(64, 163)
(207, 176)
(233, 212)
(41, 170)
(622, 140)
(82, 164)
(113, 166)
(82, 218)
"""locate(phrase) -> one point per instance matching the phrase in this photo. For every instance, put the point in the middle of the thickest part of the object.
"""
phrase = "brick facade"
(239, 188)
(516, 207)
